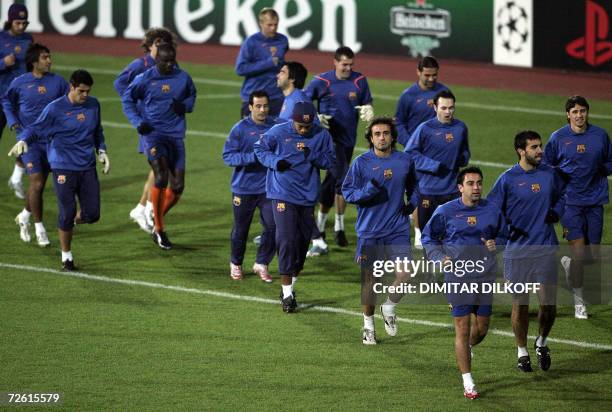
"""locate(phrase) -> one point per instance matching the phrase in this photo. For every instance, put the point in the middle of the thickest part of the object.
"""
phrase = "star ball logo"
(593, 47)
(512, 26)
(421, 24)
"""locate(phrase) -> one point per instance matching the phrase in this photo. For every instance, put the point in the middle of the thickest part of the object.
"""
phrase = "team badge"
(237, 201)
(165, 88)
(22, 14)
(153, 151)
(471, 220)
(449, 137)
(581, 148)
(17, 49)
(61, 179)
(388, 174)
(300, 146)
(42, 90)
(430, 102)
(81, 117)
(273, 50)
(306, 118)
(352, 96)
(535, 187)
(280, 207)
(361, 258)
(30, 165)
(425, 203)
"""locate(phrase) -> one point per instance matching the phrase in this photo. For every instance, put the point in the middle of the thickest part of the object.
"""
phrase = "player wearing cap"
(294, 152)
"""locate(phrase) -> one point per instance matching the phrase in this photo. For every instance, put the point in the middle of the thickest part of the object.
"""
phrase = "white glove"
(366, 112)
(20, 148)
(324, 119)
(103, 158)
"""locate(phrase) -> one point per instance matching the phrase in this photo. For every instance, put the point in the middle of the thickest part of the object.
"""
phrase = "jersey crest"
(81, 117)
(165, 88)
(581, 148)
(449, 137)
(535, 187)
(471, 220)
(42, 89)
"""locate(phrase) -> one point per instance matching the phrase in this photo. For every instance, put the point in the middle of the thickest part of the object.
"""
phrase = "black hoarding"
(573, 34)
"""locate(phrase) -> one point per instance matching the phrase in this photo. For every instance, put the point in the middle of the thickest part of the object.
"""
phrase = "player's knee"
(178, 188)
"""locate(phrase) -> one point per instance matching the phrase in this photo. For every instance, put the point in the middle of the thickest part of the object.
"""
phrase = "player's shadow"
(577, 369)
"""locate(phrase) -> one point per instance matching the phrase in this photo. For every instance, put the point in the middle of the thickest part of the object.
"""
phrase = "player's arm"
(607, 162)
(324, 155)
(134, 92)
(123, 79)
(412, 194)
(421, 161)
(100, 141)
(265, 149)
(189, 101)
(232, 155)
(464, 157)
(42, 127)
(247, 65)
(433, 237)
(401, 118)
(357, 188)
(550, 155)
(10, 106)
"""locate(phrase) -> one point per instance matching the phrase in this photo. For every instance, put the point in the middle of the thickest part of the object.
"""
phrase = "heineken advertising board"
(444, 28)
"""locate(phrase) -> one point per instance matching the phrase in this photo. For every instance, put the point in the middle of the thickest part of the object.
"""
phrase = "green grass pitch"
(135, 345)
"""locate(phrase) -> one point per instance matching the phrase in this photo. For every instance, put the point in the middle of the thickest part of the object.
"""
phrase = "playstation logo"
(593, 47)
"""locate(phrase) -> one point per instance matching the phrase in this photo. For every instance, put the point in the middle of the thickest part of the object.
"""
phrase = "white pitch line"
(328, 309)
(472, 105)
(199, 97)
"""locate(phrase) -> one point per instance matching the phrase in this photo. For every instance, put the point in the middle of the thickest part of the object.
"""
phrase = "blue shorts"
(71, 185)
(583, 222)
(389, 247)
(478, 310)
(173, 150)
(541, 269)
(35, 160)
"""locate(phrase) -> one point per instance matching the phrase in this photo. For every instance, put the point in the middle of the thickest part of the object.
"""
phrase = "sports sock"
(148, 207)
(541, 341)
(417, 232)
(24, 216)
(66, 255)
(339, 225)
(319, 243)
(170, 200)
(388, 307)
(287, 291)
(157, 198)
(293, 281)
(18, 172)
(522, 351)
(578, 296)
(468, 382)
(39, 227)
(368, 322)
(321, 219)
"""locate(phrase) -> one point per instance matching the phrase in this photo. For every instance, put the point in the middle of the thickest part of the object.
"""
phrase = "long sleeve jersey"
(249, 176)
(127, 75)
(158, 93)
(377, 186)
(72, 132)
(439, 150)
(338, 99)
(28, 95)
(296, 96)
(456, 230)
(16, 45)
(585, 161)
(255, 62)
(525, 198)
(299, 184)
(415, 106)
